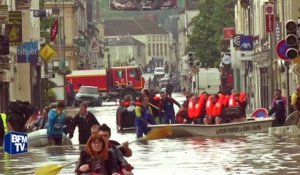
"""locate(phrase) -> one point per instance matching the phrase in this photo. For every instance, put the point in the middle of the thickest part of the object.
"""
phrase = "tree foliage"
(45, 23)
(207, 32)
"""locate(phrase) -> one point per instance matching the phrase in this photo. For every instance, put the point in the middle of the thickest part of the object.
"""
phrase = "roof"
(124, 41)
(115, 27)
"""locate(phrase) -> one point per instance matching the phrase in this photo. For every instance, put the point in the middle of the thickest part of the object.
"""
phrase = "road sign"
(246, 43)
(226, 59)
(296, 69)
(47, 53)
(281, 49)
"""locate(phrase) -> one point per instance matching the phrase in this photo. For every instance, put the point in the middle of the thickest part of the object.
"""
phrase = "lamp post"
(61, 36)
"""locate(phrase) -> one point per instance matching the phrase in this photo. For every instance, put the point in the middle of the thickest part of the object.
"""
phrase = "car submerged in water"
(89, 95)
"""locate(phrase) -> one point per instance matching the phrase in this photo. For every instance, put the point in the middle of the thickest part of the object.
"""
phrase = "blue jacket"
(55, 124)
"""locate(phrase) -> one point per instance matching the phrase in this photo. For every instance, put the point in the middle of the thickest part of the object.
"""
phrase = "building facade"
(265, 71)
(157, 41)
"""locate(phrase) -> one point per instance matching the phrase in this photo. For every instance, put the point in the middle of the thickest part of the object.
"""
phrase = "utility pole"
(64, 55)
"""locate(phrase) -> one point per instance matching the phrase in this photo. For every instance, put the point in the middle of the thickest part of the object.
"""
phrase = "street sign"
(47, 53)
(296, 69)
(41, 13)
(246, 43)
(281, 49)
(226, 59)
(42, 40)
(278, 31)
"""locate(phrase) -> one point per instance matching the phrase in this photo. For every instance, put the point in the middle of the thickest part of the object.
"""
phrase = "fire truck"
(114, 82)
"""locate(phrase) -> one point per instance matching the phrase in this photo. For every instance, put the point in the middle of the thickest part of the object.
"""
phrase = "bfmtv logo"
(15, 143)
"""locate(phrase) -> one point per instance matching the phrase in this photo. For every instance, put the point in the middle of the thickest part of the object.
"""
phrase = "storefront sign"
(14, 28)
(229, 32)
(3, 14)
(28, 53)
(270, 18)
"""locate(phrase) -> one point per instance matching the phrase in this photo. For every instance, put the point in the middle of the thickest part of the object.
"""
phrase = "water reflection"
(253, 154)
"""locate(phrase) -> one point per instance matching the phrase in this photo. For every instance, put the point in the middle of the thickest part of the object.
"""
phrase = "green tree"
(207, 31)
(45, 23)
(49, 94)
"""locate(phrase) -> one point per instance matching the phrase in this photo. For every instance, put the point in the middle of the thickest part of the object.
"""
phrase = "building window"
(149, 49)
(166, 53)
(139, 51)
(157, 49)
(153, 38)
(153, 49)
(161, 49)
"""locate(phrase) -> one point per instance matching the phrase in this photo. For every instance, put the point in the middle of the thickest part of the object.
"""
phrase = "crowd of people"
(153, 108)
(100, 154)
(148, 109)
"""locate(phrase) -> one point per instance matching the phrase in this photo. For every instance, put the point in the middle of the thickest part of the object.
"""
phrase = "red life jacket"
(232, 101)
(191, 108)
(226, 100)
(127, 103)
(199, 106)
(214, 109)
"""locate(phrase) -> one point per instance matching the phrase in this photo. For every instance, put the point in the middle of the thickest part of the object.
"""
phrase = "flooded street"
(250, 154)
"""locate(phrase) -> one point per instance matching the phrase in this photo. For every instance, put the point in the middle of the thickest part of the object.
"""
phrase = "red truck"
(115, 82)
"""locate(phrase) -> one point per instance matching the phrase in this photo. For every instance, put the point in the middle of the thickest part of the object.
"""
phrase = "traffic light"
(198, 64)
(191, 57)
(291, 39)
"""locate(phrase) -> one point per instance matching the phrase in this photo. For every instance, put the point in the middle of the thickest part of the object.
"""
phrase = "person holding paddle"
(167, 105)
(118, 151)
(144, 116)
(95, 158)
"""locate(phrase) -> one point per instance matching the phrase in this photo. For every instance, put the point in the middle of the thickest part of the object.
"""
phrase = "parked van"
(209, 80)
(159, 71)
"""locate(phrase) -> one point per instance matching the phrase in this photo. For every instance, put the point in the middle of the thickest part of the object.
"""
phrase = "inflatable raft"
(39, 138)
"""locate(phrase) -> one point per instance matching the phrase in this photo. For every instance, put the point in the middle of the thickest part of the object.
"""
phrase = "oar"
(156, 133)
(52, 169)
(156, 107)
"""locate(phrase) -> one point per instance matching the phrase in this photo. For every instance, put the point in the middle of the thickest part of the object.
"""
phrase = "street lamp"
(61, 36)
